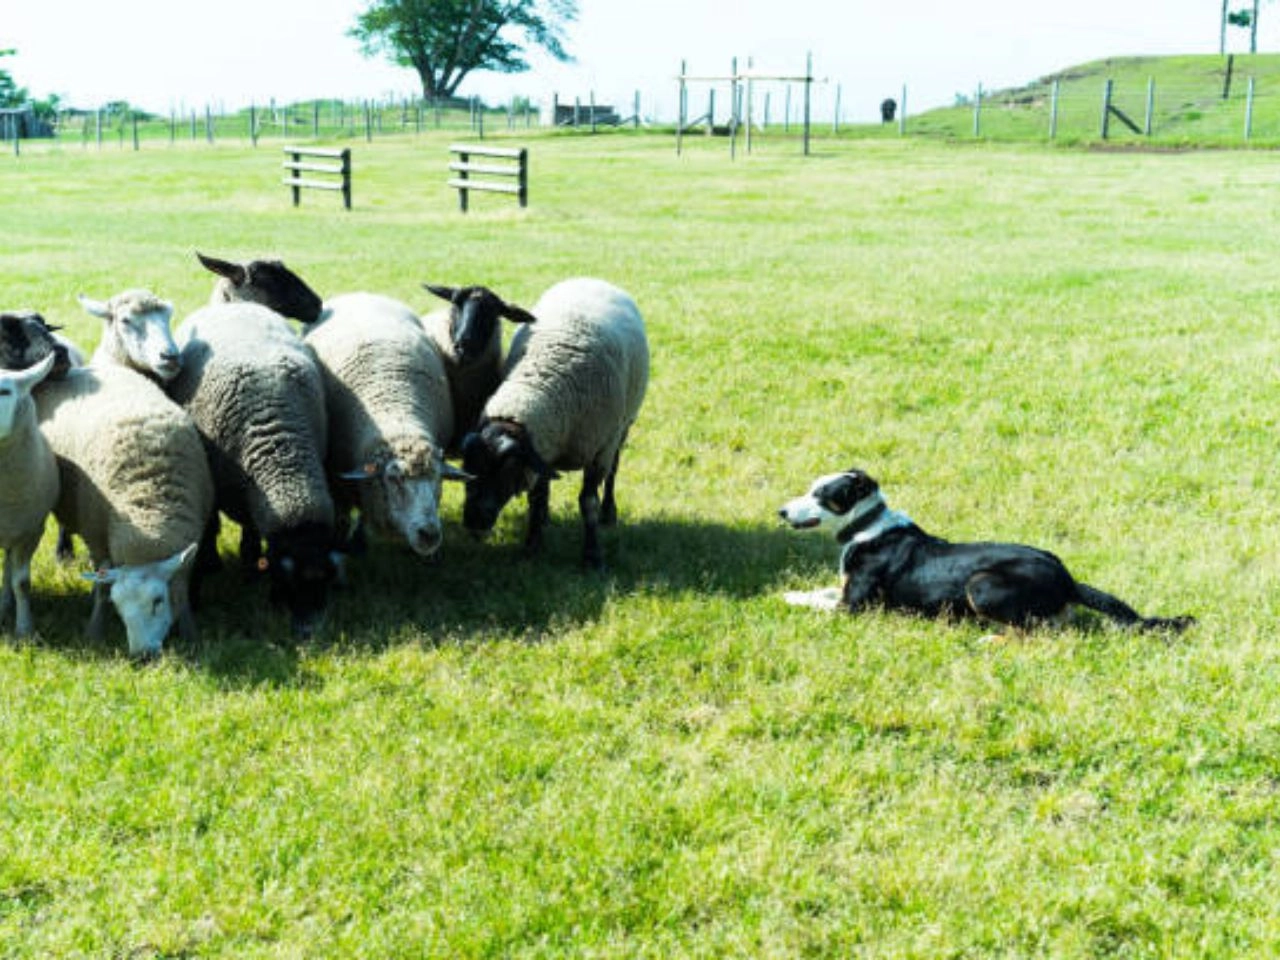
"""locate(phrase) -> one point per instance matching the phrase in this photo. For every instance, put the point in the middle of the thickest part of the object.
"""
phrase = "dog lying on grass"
(887, 559)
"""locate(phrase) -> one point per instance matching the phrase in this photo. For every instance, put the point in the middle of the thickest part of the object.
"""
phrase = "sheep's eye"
(156, 604)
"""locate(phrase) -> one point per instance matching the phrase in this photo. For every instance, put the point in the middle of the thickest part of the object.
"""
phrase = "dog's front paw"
(827, 599)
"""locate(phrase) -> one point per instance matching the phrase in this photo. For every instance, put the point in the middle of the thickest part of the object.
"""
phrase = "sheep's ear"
(179, 560)
(103, 577)
(444, 293)
(234, 272)
(369, 471)
(93, 307)
(449, 472)
(517, 314)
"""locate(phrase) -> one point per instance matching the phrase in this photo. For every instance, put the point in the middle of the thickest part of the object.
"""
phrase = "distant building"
(22, 123)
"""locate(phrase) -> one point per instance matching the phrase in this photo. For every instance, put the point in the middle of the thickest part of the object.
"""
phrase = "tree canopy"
(11, 95)
(445, 40)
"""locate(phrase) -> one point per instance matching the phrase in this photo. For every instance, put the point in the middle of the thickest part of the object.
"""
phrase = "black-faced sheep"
(389, 415)
(574, 384)
(26, 339)
(135, 486)
(468, 336)
(267, 282)
(28, 483)
(256, 395)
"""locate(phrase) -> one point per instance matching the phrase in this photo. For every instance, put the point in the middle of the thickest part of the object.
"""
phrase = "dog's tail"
(1122, 613)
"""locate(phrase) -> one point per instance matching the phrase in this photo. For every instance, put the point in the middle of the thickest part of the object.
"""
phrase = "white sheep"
(574, 383)
(25, 339)
(390, 415)
(135, 333)
(468, 336)
(28, 484)
(135, 486)
(255, 392)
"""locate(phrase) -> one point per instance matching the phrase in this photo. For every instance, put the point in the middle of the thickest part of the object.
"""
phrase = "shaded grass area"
(491, 757)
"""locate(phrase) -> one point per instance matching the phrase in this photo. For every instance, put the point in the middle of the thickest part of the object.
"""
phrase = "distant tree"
(11, 95)
(444, 40)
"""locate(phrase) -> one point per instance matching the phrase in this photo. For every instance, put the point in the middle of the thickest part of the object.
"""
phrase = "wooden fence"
(464, 168)
(305, 160)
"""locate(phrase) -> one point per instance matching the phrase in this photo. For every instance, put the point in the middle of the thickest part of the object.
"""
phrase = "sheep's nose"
(426, 540)
(783, 513)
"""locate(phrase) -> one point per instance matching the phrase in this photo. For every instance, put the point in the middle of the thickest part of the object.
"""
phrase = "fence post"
(808, 85)
(135, 131)
(1053, 111)
(315, 119)
(635, 117)
(977, 112)
(1151, 105)
(346, 178)
(297, 190)
(681, 107)
(1106, 108)
(463, 175)
(835, 114)
(902, 113)
(253, 124)
(523, 179)
(1248, 113)
(592, 102)
(733, 110)
(208, 123)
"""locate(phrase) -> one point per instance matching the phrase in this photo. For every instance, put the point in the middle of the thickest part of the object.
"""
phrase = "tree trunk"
(1253, 29)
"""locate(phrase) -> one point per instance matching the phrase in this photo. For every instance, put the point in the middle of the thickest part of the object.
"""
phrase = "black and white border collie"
(889, 560)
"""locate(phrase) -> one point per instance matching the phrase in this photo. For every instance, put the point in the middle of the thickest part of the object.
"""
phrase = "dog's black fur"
(902, 567)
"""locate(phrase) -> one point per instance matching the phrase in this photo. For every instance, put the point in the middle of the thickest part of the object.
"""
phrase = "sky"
(167, 55)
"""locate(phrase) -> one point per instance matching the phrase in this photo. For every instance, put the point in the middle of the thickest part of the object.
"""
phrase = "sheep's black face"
(278, 287)
(25, 340)
(302, 564)
(500, 470)
(474, 320)
(270, 283)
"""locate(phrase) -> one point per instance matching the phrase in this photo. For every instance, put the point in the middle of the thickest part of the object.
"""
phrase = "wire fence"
(1218, 108)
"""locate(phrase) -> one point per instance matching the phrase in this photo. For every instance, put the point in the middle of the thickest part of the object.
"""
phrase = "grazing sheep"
(135, 333)
(574, 384)
(267, 282)
(28, 483)
(135, 486)
(389, 415)
(468, 337)
(255, 392)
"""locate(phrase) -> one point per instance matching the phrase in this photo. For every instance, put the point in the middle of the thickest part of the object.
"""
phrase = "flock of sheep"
(303, 439)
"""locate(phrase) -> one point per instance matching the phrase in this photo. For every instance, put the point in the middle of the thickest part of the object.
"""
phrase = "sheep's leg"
(17, 584)
(65, 551)
(609, 508)
(95, 628)
(589, 507)
(250, 550)
(180, 598)
(539, 514)
(6, 593)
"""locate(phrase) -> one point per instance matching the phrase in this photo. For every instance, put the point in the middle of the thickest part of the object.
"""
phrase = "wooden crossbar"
(302, 160)
(465, 182)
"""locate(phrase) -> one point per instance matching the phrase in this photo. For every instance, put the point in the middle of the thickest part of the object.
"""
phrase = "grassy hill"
(1192, 103)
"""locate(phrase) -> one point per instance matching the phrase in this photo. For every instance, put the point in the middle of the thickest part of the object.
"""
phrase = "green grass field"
(488, 757)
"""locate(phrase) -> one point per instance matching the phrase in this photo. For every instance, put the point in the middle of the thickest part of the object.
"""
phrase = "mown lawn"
(487, 757)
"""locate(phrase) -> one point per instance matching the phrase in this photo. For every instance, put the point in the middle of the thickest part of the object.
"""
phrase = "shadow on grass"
(474, 592)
